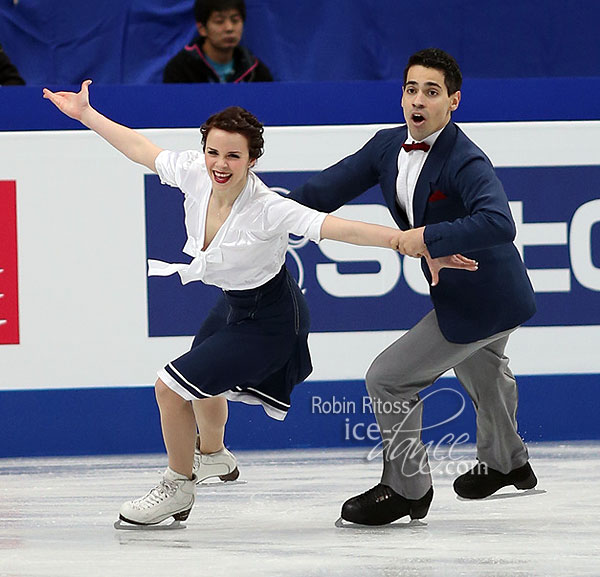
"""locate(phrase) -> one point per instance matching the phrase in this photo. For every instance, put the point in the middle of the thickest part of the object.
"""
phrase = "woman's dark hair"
(239, 120)
(439, 60)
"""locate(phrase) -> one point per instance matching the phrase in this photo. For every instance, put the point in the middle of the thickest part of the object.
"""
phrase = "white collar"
(429, 140)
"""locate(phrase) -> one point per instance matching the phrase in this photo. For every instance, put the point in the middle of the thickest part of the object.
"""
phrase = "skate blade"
(211, 483)
(512, 495)
(121, 525)
(412, 524)
(228, 478)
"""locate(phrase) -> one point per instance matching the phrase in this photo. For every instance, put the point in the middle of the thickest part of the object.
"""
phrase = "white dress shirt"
(410, 165)
(249, 248)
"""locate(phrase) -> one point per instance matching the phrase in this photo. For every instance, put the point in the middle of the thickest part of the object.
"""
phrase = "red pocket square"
(437, 195)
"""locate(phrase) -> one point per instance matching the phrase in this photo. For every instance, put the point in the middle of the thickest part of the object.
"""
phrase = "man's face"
(223, 30)
(426, 103)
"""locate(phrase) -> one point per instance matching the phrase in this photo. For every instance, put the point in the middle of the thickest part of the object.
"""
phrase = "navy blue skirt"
(252, 347)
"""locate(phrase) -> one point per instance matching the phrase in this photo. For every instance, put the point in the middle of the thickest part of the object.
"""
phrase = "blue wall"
(290, 103)
(120, 421)
(130, 41)
(536, 60)
(68, 422)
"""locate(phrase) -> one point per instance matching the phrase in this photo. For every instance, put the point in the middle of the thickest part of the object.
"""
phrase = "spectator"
(216, 54)
(9, 75)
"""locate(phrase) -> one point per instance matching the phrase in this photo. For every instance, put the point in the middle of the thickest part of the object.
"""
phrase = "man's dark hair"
(204, 8)
(237, 120)
(440, 60)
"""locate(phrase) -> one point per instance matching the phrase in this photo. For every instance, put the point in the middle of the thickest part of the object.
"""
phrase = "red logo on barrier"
(9, 295)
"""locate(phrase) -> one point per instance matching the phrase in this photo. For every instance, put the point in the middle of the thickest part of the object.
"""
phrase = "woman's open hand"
(71, 103)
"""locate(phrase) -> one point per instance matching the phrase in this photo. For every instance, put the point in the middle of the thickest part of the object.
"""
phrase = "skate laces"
(197, 460)
(375, 495)
(156, 495)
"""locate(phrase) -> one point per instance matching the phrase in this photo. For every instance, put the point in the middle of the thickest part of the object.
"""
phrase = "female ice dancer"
(253, 345)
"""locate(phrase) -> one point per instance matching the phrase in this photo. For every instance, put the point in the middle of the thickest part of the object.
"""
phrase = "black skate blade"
(412, 524)
(121, 525)
(511, 495)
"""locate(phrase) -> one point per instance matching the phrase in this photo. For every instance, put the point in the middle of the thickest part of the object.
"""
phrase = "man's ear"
(455, 100)
(201, 29)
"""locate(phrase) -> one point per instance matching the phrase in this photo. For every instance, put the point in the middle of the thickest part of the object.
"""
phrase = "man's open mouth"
(417, 118)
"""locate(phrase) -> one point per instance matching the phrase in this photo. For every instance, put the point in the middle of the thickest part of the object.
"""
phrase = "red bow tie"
(416, 146)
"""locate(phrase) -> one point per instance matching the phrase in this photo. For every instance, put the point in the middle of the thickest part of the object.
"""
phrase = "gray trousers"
(414, 362)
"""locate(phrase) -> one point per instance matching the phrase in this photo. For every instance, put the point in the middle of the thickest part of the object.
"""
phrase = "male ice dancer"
(442, 189)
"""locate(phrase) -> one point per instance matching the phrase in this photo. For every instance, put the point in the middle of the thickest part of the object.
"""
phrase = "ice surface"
(57, 515)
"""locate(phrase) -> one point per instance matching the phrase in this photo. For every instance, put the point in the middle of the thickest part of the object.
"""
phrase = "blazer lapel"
(389, 177)
(431, 171)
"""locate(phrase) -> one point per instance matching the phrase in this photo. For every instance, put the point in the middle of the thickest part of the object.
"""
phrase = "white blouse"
(249, 248)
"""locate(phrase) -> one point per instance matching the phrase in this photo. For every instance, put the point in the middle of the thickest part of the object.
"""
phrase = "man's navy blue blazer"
(463, 206)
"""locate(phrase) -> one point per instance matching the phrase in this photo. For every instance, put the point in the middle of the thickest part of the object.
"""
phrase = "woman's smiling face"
(227, 159)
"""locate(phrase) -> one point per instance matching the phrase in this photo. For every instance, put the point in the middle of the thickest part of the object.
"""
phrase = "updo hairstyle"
(238, 120)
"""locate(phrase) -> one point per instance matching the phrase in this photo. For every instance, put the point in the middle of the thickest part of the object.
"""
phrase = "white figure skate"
(173, 497)
(221, 464)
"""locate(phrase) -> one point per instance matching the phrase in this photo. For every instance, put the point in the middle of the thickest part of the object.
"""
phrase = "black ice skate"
(482, 481)
(382, 505)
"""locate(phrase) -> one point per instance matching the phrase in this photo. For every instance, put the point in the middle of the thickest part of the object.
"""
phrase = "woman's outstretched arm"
(362, 233)
(132, 144)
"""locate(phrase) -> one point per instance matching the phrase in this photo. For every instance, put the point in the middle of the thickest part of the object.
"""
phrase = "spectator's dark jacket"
(8, 71)
(190, 65)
